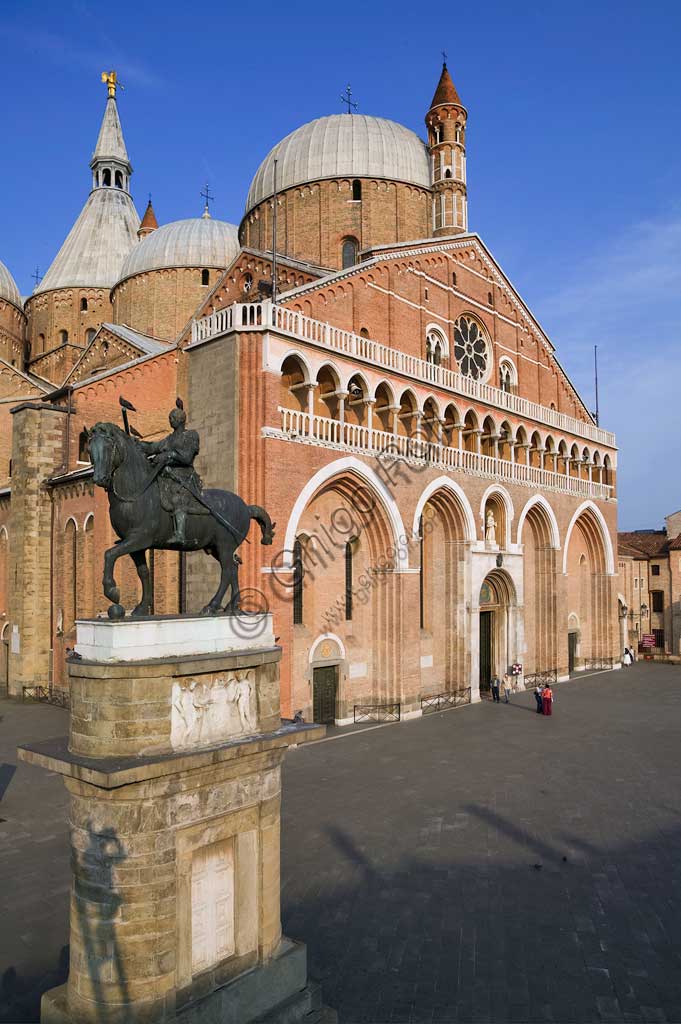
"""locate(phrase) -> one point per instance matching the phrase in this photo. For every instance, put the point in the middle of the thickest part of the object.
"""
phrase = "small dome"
(195, 242)
(348, 145)
(8, 288)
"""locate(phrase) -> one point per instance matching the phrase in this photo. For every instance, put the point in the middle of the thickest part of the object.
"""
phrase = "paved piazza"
(484, 864)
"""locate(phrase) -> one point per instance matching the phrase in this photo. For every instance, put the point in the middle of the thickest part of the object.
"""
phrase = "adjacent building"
(649, 600)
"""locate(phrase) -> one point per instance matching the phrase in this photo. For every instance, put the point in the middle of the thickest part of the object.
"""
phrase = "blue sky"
(574, 153)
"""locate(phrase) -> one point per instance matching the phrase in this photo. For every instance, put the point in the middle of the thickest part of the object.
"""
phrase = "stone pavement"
(483, 864)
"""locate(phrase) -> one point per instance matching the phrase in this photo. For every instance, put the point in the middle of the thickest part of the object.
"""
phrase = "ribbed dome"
(8, 288)
(96, 245)
(352, 145)
(195, 242)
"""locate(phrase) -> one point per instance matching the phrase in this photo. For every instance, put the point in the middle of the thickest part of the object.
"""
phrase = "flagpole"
(596, 378)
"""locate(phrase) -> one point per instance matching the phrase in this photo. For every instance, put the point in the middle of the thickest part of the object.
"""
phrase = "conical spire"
(110, 144)
(446, 90)
(149, 222)
(105, 230)
(110, 165)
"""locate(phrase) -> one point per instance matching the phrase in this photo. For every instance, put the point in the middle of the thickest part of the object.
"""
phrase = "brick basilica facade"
(445, 503)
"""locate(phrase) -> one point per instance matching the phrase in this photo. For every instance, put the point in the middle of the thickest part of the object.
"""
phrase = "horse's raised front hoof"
(141, 609)
(116, 611)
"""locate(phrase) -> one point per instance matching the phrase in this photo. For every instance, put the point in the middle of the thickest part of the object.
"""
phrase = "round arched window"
(471, 348)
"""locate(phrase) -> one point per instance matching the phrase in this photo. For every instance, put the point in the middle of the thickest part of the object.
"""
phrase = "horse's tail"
(266, 525)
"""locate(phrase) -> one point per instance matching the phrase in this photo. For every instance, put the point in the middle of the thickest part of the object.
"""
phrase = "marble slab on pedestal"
(141, 639)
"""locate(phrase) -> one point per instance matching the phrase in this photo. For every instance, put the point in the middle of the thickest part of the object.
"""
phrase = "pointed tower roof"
(106, 228)
(110, 143)
(149, 222)
(446, 90)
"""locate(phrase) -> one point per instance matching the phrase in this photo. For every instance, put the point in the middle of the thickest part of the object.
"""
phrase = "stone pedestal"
(173, 765)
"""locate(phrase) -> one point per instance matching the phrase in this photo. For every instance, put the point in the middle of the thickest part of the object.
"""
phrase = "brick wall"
(160, 302)
(314, 219)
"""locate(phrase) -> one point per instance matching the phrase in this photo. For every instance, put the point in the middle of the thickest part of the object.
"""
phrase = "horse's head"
(106, 452)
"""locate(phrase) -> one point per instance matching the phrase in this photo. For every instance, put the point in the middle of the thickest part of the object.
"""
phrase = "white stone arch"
(329, 364)
(90, 517)
(541, 501)
(4, 632)
(321, 639)
(443, 483)
(436, 402)
(307, 369)
(4, 532)
(389, 388)
(507, 364)
(362, 376)
(605, 535)
(438, 329)
(349, 464)
(495, 490)
(71, 519)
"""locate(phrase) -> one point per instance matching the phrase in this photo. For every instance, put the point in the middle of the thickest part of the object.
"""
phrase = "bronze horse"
(122, 469)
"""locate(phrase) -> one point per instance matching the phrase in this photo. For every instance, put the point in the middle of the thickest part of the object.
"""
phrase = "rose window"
(470, 348)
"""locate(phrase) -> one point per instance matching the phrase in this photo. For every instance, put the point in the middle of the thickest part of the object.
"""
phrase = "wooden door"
(572, 651)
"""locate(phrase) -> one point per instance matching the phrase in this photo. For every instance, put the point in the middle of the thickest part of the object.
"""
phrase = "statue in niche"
(490, 527)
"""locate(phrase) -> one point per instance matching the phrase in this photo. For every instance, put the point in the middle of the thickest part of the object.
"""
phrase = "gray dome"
(8, 288)
(195, 242)
(348, 145)
(96, 245)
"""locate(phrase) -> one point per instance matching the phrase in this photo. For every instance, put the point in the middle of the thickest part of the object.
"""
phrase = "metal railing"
(545, 677)
(47, 695)
(376, 713)
(298, 425)
(264, 315)
(446, 699)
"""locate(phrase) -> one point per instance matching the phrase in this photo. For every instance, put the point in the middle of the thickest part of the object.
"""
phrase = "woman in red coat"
(547, 700)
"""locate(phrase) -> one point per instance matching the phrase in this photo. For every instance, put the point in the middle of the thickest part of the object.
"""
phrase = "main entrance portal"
(497, 627)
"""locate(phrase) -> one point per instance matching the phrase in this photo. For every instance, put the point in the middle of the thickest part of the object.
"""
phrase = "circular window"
(247, 283)
(471, 348)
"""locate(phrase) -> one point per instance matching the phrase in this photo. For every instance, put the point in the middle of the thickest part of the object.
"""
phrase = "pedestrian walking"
(547, 700)
(507, 687)
(538, 698)
(627, 659)
(495, 684)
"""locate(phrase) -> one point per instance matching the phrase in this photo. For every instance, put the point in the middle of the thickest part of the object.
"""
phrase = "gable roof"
(401, 250)
(142, 343)
(25, 379)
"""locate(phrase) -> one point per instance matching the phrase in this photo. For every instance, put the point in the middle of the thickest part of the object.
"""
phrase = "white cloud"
(625, 298)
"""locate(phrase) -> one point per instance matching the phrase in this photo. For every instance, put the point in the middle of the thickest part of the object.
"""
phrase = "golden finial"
(111, 79)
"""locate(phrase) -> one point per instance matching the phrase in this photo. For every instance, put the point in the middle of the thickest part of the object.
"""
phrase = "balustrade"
(245, 316)
(351, 436)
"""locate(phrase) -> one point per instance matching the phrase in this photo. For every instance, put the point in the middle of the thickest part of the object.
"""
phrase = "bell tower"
(446, 123)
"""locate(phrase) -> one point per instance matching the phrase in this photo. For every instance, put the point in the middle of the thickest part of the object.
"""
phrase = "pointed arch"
(591, 512)
(354, 466)
(494, 490)
(443, 483)
(539, 501)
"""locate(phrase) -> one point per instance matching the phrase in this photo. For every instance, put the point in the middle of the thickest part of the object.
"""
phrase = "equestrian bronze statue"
(157, 502)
